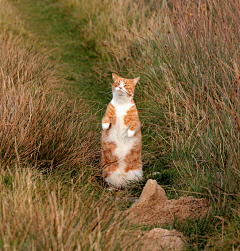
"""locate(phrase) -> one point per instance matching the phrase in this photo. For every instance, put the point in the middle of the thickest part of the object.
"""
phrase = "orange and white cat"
(121, 136)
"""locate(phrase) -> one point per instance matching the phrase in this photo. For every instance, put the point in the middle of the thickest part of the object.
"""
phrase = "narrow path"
(54, 27)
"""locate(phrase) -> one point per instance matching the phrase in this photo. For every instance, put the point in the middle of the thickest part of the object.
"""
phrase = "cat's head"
(123, 86)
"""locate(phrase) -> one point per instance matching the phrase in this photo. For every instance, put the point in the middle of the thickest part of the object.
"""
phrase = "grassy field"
(56, 63)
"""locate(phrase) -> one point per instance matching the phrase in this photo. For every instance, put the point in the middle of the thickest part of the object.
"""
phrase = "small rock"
(162, 239)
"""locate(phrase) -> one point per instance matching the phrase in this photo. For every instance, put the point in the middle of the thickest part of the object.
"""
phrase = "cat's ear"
(114, 76)
(135, 80)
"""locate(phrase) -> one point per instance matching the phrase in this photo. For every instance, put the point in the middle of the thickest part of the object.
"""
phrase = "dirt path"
(54, 27)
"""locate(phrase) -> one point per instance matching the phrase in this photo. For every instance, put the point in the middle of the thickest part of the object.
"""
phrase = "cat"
(121, 136)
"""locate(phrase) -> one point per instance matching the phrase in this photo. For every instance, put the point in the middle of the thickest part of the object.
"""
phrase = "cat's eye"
(126, 85)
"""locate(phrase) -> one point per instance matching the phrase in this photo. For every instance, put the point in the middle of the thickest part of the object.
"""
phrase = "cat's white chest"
(120, 129)
(118, 134)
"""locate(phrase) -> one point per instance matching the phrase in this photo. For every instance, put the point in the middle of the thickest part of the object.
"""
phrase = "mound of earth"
(154, 207)
(162, 239)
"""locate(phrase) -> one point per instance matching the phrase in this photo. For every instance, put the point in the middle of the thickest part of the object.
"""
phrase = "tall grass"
(195, 64)
(39, 124)
(49, 156)
(38, 213)
(106, 22)
(187, 54)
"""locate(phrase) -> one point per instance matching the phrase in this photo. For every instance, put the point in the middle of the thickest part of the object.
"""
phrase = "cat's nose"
(120, 87)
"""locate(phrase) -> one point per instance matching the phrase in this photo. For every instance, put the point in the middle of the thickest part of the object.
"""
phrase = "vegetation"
(49, 150)
(187, 55)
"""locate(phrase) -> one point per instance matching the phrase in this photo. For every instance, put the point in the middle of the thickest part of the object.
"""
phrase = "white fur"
(105, 126)
(121, 180)
(130, 133)
(123, 138)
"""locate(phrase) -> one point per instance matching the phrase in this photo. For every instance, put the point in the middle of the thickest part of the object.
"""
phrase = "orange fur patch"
(131, 119)
(133, 159)
(110, 116)
(109, 160)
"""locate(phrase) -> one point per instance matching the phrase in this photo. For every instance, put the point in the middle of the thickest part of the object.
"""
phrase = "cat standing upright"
(121, 136)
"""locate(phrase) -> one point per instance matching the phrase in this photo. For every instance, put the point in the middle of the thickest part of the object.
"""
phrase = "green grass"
(52, 25)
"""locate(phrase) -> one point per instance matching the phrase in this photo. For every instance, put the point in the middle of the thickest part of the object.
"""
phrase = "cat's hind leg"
(133, 168)
(117, 179)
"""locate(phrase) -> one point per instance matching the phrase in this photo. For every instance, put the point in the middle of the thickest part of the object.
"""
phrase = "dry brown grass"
(39, 124)
(38, 213)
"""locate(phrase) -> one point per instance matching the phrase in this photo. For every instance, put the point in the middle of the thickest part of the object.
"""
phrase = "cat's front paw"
(130, 133)
(105, 126)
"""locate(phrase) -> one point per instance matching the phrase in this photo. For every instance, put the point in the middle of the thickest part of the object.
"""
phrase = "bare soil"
(154, 207)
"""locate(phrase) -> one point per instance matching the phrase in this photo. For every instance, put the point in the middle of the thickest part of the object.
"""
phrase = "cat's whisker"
(127, 92)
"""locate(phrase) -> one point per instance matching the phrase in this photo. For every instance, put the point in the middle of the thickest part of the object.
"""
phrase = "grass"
(39, 213)
(40, 126)
(49, 155)
(56, 30)
(187, 55)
